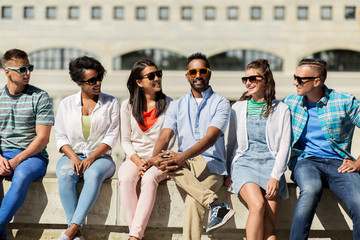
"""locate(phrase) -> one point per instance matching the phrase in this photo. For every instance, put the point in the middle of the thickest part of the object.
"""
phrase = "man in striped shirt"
(323, 122)
(26, 117)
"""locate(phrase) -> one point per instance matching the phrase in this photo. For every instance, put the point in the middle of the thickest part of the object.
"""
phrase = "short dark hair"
(198, 55)
(80, 64)
(319, 64)
(13, 54)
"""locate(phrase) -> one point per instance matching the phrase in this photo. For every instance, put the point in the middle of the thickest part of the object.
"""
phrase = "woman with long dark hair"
(142, 117)
(257, 150)
(87, 129)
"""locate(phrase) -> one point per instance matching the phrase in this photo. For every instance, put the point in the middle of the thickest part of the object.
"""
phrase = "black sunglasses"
(92, 81)
(151, 75)
(300, 80)
(252, 79)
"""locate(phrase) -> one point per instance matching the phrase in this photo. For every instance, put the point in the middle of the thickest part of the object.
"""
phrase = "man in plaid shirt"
(323, 122)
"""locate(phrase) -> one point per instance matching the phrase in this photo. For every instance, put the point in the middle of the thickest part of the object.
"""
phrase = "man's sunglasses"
(193, 71)
(92, 81)
(252, 79)
(151, 75)
(23, 69)
(300, 80)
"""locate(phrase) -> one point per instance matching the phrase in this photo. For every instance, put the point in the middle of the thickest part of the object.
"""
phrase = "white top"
(105, 121)
(133, 139)
(278, 134)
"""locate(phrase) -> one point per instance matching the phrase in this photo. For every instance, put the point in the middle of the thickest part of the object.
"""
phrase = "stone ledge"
(42, 215)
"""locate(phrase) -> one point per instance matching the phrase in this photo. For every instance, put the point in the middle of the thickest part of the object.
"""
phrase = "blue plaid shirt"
(338, 114)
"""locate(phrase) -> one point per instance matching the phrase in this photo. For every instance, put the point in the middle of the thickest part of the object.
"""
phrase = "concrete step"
(42, 215)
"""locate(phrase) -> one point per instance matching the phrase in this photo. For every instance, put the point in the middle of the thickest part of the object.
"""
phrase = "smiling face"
(90, 90)
(14, 77)
(198, 82)
(150, 87)
(256, 89)
(308, 87)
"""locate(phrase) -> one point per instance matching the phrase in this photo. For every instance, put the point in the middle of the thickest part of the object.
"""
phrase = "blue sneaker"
(218, 216)
(2, 234)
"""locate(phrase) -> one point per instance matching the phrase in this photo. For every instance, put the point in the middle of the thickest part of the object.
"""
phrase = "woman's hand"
(143, 167)
(272, 188)
(76, 164)
(227, 181)
(85, 164)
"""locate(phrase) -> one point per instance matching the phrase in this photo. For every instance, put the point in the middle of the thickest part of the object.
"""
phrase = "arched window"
(56, 58)
(339, 60)
(236, 60)
(164, 59)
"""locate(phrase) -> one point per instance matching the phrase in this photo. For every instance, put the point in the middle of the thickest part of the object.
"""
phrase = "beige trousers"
(200, 185)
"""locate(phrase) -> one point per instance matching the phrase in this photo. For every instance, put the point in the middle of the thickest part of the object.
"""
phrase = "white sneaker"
(63, 236)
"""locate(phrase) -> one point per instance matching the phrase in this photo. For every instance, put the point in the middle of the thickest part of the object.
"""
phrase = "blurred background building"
(230, 32)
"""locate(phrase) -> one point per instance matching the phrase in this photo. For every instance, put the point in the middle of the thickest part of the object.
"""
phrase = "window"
(237, 59)
(233, 13)
(302, 13)
(186, 13)
(6, 12)
(141, 13)
(326, 13)
(29, 12)
(339, 60)
(163, 13)
(96, 12)
(56, 58)
(119, 13)
(50, 12)
(350, 12)
(164, 59)
(255, 13)
(279, 13)
(209, 13)
(73, 12)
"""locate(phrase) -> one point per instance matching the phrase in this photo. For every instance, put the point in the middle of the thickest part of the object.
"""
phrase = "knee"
(311, 192)
(149, 180)
(257, 206)
(93, 175)
(127, 180)
(66, 173)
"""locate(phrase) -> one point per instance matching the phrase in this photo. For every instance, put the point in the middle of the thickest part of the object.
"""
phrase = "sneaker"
(218, 216)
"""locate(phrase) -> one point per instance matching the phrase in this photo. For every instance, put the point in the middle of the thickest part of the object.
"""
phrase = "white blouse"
(105, 121)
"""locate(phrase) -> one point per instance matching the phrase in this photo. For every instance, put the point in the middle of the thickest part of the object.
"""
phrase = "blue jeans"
(26, 172)
(76, 208)
(310, 175)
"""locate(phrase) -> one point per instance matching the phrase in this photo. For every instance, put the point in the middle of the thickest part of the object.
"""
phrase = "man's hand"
(171, 161)
(13, 163)
(5, 168)
(227, 181)
(272, 188)
(349, 166)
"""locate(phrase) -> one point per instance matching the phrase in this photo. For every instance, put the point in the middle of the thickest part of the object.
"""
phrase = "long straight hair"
(264, 69)
(137, 97)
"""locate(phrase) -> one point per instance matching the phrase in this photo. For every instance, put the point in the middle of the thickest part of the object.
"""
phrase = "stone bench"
(42, 216)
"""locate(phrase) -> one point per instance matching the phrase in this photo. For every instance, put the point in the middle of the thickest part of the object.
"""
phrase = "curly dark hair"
(80, 64)
(264, 67)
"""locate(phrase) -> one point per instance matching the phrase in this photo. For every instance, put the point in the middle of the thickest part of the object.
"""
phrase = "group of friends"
(316, 126)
